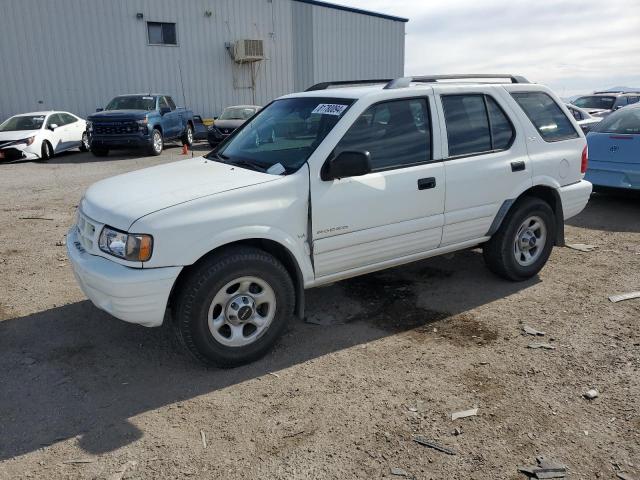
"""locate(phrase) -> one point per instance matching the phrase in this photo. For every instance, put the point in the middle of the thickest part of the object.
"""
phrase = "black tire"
(157, 143)
(99, 152)
(84, 143)
(187, 137)
(197, 292)
(500, 252)
(46, 151)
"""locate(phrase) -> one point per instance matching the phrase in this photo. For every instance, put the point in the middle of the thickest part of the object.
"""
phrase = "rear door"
(486, 161)
(396, 210)
(73, 129)
(171, 119)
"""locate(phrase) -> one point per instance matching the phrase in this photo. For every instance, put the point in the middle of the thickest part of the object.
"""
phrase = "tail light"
(585, 160)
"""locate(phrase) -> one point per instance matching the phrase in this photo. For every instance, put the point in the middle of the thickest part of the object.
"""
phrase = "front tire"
(157, 143)
(234, 306)
(523, 243)
(46, 151)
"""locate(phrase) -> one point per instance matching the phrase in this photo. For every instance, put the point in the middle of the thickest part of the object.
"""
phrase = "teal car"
(614, 150)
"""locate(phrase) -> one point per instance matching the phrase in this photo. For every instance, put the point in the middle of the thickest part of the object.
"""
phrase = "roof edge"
(319, 3)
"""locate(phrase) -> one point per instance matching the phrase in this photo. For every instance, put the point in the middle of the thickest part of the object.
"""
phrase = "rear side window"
(475, 124)
(545, 114)
(396, 134)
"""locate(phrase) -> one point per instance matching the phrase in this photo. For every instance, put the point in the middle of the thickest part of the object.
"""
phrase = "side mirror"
(164, 110)
(347, 164)
(53, 126)
(99, 109)
(215, 118)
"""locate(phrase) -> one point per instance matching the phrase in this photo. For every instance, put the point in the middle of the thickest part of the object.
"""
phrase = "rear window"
(475, 124)
(595, 101)
(626, 120)
(545, 114)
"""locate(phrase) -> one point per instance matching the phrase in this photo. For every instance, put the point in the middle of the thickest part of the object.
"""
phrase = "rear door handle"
(518, 166)
(426, 183)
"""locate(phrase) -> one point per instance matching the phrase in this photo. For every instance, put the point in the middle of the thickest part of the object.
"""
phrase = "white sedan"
(41, 135)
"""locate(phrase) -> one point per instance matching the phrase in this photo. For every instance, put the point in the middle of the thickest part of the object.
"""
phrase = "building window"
(161, 33)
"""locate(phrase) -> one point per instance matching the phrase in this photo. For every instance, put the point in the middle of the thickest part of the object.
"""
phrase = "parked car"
(231, 118)
(584, 118)
(139, 121)
(375, 176)
(603, 103)
(41, 135)
(614, 150)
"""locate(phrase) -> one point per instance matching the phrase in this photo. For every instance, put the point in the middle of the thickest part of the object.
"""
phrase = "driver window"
(54, 119)
(163, 103)
(396, 134)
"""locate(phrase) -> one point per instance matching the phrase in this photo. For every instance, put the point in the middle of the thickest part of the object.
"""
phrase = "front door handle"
(426, 183)
(518, 166)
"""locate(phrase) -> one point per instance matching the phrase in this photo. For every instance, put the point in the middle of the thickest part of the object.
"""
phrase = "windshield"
(132, 102)
(286, 132)
(237, 113)
(22, 122)
(595, 101)
(626, 120)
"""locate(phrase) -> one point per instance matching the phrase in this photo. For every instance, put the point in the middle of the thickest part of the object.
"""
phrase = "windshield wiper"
(251, 165)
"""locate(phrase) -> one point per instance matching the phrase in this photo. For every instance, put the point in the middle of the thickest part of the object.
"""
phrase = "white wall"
(77, 54)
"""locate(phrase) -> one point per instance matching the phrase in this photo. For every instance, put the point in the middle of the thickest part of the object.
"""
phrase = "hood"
(118, 115)
(228, 123)
(121, 200)
(17, 135)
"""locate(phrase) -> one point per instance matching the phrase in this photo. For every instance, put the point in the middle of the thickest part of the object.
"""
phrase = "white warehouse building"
(76, 55)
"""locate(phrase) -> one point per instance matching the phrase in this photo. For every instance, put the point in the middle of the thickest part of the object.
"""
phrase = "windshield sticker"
(329, 109)
(276, 169)
(37, 118)
(147, 98)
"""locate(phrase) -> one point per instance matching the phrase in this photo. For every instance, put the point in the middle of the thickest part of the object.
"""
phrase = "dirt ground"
(389, 356)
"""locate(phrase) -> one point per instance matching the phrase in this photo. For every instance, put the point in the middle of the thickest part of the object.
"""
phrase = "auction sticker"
(330, 109)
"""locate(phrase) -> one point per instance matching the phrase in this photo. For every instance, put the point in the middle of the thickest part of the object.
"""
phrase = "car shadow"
(611, 212)
(76, 371)
(172, 149)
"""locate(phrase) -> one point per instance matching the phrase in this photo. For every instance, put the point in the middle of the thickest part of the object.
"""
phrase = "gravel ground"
(389, 356)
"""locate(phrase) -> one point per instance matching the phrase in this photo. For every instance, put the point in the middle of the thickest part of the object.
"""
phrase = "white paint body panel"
(358, 225)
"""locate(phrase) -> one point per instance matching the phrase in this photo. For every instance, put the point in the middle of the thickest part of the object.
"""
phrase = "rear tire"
(234, 306)
(157, 143)
(99, 152)
(187, 138)
(523, 243)
(84, 143)
(46, 151)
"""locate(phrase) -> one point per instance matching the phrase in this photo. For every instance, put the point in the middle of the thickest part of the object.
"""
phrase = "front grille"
(87, 232)
(226, 131)
(10, 154)
(115, 128)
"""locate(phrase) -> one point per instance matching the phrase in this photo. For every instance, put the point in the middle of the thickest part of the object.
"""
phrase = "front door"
(486, 163)
(170, 120)
(393, 212)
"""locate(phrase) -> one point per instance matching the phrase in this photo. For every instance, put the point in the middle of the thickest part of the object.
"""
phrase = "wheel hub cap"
(241, 311)
(530, 241)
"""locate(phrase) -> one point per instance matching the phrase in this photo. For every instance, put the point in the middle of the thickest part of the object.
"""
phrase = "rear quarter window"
(546, 115)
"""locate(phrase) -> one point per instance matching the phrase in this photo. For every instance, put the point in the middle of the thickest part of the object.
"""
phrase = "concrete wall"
(75, 55)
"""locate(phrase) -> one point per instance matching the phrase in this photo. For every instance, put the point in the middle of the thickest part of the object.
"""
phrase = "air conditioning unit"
(246, 50)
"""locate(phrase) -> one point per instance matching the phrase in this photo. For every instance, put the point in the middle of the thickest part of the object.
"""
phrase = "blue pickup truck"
(139, 121)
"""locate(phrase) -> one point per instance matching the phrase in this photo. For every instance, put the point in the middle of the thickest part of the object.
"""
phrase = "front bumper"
(17, 153)
(575, 197)
(138, 140)
(135, 295)
(215, 136)
(614, 175)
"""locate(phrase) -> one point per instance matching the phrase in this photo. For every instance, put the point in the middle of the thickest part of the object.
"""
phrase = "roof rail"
(325, 85)
(405, 81)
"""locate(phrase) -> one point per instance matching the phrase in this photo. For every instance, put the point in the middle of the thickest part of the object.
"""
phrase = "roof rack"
(404, 82)
(325, 85)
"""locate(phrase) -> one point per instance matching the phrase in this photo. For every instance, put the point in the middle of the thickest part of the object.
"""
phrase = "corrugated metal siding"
(77, 54)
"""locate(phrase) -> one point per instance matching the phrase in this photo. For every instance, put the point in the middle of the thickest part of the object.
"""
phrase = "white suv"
(329, 184)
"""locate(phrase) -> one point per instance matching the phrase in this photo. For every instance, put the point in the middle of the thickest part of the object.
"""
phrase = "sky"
(573, 46)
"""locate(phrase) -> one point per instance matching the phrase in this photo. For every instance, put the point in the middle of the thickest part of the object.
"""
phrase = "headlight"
(30, 140)
(128, 246)
(142, 124)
